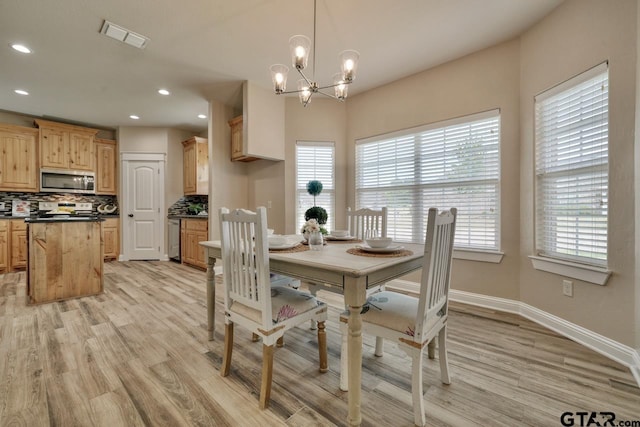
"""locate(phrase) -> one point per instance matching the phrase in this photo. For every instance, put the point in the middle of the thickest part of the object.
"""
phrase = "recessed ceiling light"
(21, 48)
(163, 92)
(134, 117)
(202, 116)
(21, 92)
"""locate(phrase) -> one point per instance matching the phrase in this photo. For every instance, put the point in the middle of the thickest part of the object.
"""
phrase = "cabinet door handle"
(130, 215)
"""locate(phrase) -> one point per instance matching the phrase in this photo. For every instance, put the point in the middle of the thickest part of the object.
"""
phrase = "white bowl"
(340, 233)
(379, 242)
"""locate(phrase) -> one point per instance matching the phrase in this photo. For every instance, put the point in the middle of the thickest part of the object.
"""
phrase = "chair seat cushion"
(285, 303)
(393, 310)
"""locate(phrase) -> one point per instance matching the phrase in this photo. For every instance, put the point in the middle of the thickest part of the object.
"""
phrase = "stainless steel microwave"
(66, 181)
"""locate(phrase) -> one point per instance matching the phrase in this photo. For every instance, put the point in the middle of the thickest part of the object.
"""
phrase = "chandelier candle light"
(300, 47)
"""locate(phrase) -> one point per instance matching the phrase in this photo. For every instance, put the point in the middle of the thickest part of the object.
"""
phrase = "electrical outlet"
(567, 288)
(269, 204)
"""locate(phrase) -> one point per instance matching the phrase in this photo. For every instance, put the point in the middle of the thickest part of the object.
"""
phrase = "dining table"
(344, 266)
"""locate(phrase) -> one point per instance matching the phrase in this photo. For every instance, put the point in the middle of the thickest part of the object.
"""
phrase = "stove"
(65, 209)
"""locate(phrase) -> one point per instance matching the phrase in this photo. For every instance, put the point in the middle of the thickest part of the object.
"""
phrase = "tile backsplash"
(180, 207)
(7, 198)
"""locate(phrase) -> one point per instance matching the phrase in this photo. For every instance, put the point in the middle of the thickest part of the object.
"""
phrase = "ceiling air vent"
(119, 33)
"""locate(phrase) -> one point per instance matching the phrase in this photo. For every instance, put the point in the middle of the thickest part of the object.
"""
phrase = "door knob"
(130, 215)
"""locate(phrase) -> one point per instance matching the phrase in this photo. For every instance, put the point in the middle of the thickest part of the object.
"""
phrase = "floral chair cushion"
(393, 310)
(285, 303)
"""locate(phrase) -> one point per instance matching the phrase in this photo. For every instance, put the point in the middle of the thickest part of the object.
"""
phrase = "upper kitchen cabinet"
(65, 146)
(237, 142)
(196, 166)
(106, 166)
(262, 124)
(18, 149)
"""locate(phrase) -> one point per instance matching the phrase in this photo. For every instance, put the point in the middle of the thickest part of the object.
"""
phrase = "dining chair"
(359, 223)
(414, 322)
(249, 299)
(364, 221)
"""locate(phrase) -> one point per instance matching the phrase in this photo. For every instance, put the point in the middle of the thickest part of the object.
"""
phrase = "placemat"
(360, 252)
(298, 248)
(343, 241)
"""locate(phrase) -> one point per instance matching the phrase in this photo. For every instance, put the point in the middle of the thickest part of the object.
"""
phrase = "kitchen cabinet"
(192, 232)
(18, 245)
(18, 158)
(237, 143)
(111, 238)
(65, 146)
(263, 114)
(195, 166)
(106, 166)
(4, 246)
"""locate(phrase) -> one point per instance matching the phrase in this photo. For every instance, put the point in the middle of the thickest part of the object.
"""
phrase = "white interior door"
(142, 218)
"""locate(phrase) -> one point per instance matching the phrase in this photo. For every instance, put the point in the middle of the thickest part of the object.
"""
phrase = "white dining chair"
(359, 223)
(365, 222)
(249, 299)
(414, 322)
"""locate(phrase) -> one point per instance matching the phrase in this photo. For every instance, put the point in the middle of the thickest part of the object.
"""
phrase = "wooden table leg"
(211, 296)
(355, 296)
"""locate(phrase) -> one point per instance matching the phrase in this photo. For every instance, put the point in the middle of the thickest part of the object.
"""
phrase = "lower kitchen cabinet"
(4, 246)
(13, 245)
(111, 238)
(193, 231)
(18, 244)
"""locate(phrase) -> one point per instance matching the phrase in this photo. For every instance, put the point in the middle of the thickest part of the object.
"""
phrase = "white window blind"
(448, 164)
(572, 164)
(315, 161)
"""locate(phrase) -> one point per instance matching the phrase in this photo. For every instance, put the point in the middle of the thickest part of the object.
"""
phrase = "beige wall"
(485, 80)
(228, 181)
(637, 180)
(575, 37)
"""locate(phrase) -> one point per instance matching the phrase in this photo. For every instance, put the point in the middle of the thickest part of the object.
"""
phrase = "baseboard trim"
(614, 350)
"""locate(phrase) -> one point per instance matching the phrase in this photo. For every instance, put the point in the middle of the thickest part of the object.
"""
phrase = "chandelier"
(300, 46)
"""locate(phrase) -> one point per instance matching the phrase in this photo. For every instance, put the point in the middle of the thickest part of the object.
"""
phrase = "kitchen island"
(65, 258)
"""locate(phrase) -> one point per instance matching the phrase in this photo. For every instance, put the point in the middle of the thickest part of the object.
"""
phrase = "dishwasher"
(174, 240)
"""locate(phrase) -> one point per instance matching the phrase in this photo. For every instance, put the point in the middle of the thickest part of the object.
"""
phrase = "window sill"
(494, 257)
(586, 273)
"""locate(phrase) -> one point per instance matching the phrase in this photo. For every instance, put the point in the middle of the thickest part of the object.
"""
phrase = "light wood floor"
(138, 355)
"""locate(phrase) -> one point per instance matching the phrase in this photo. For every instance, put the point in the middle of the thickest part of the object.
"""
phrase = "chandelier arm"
(309, 82)
(333, 85)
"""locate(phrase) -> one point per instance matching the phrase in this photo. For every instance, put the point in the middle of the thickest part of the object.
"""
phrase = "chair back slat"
(245, 259)
(436, 270)
(361, 220)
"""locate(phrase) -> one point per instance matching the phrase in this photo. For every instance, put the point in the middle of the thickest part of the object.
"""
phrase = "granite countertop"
(64, 219)
(2, 216)
(187, 216)
(32, 217)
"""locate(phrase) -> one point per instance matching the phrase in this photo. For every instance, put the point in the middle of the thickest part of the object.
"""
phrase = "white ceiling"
(202, 49)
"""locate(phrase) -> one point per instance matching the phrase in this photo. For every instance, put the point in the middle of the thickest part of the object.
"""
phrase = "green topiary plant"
(317, 213)
(314, 188)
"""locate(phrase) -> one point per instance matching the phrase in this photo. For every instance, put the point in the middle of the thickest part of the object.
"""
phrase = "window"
(315, 161)
(572, 163)
(448, 164)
